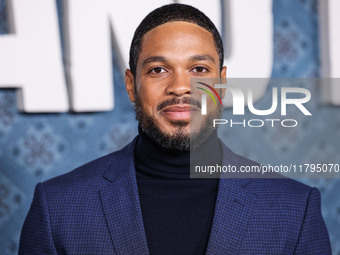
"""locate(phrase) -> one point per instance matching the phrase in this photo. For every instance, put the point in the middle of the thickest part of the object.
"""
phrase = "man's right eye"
(157, 70)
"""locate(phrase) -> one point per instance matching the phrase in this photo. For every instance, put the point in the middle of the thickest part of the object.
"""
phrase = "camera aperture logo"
(241, 99)
(204, 97)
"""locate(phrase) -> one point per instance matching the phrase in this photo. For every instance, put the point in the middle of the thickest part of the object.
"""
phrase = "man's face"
(170, 56)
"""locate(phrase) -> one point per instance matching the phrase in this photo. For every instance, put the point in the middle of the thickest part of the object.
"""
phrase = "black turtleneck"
(177, 211)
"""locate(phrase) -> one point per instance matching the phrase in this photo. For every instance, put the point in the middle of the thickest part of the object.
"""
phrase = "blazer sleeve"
(313, 238)
(36, 235)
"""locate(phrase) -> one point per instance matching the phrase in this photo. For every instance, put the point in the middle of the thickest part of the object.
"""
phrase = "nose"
(179, 85)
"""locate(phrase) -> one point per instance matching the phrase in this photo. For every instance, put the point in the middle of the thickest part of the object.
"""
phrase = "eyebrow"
(202, 57)
(153, 59)
(164, 60)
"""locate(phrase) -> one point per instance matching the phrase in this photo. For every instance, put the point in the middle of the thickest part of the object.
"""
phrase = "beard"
(181, 140)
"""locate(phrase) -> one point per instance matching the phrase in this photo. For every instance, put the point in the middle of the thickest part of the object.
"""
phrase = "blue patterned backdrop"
(35, 147)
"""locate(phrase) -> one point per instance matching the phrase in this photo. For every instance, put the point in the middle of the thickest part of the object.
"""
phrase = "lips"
(179, 112)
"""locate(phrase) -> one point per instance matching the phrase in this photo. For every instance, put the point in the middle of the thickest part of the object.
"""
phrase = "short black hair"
(169, 13)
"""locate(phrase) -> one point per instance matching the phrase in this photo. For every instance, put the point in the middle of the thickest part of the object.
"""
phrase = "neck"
(152, 160)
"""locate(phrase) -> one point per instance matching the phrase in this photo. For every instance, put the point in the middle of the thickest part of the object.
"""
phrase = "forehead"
(178, 36)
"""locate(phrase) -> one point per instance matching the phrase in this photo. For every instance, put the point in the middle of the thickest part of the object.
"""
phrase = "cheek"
(211, 107)
(148, 100)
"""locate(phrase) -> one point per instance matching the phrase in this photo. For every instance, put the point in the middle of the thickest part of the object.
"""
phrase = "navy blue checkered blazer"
(95, 209)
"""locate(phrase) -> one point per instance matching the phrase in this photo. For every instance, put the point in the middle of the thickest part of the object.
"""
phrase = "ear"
(223, 76)
(130, 84)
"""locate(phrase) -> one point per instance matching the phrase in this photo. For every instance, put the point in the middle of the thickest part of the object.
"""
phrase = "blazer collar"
(121, 205)
(120, 201)
(233, 209)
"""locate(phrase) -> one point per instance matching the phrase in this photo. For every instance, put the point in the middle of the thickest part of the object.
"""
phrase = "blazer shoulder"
(279, 187)
(91, 173)
(269, 185)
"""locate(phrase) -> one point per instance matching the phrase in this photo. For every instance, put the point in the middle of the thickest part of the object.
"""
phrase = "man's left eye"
(200, 69)
(157, 70)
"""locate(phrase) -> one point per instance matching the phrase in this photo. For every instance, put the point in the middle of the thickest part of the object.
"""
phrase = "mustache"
(176, 100)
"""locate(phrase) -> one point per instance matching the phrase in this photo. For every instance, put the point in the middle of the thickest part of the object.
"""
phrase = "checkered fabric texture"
(95, 209)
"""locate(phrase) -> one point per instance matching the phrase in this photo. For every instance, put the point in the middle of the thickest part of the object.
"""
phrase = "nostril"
(178, 90)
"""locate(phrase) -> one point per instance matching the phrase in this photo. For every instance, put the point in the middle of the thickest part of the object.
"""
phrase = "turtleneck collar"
(151, 161)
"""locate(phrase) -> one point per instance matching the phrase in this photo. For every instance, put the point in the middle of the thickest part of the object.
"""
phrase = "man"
(141, 200)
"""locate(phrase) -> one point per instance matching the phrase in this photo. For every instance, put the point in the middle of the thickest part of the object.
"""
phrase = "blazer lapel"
(234, 206)
(122, 210)
(121, 205)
